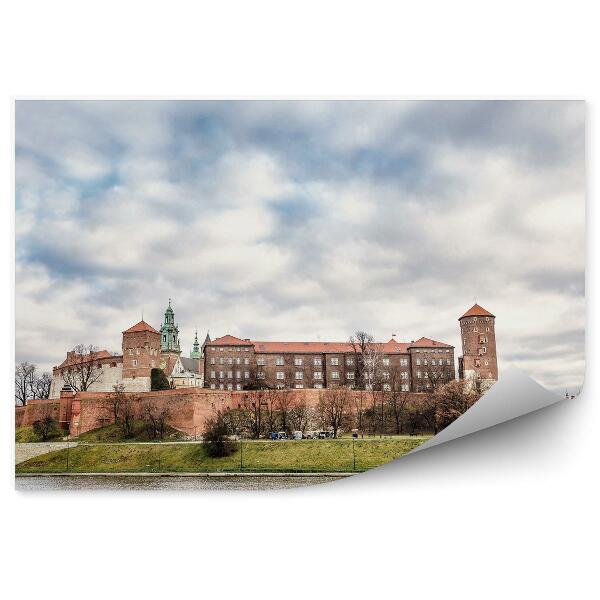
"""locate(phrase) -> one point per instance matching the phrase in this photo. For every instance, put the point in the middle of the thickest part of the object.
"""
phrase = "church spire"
(195, 353)
(169, 332)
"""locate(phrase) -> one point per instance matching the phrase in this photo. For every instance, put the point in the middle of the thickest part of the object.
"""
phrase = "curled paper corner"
(513, 395)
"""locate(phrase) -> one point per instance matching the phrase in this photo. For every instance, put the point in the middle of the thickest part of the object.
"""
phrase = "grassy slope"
(114, 433)
(26, 434)
(261, 456)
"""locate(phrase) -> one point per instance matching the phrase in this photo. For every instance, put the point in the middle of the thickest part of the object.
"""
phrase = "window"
(448, 361)
(134, 362)
(317, 375)
(229, 386)
(335, 361)
(404, 375)
(230, 361)
(238, 386)
(238, 374)
(317, 362)
(246, 374)
(260, 375)
(279, 360)
(335, 375)
(280, 375)
(299, 386)
(404, 362)
(221, 374)
(212, 360)
(221, 386)
(212, 386)
(229, 374)
(260, 361)
(152, 363)
(221, 361)
(280, 386)
(386, 362)
(318, 386)
(298, 361)
(213, 374)
(349, 362)
(387, 387)
(238, 361)
(419, 374)
(299, 374)
(349, 375)
(246, 349)
(405, 387)
(425, 362)
(418, 361)
(246, 361)
(386, 375)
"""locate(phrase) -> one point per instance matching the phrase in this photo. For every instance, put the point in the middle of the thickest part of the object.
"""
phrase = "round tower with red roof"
(478, 334)
(141, 353)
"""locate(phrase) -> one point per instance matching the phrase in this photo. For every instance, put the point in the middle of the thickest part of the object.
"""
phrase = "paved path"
(24, 452)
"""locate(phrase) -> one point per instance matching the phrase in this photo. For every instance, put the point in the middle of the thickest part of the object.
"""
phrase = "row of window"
(440, 362)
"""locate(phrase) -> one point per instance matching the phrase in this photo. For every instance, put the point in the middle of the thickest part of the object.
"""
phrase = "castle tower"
(195, 353)
(141, 349)
(478, 334)
(169, 342)
(169, 332)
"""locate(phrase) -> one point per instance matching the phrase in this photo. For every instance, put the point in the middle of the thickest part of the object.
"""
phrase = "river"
(91, 482)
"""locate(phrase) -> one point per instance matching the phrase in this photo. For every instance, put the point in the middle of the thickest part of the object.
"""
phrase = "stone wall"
(188, 407)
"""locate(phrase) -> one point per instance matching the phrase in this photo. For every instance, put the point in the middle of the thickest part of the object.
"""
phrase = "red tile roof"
(477, 311)
(303, 347)
(391, 347)
(79, 359)
(141, 326)
(428, 343)
(229, 340)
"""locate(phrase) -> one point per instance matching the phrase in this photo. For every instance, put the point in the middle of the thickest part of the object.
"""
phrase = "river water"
(90, 482)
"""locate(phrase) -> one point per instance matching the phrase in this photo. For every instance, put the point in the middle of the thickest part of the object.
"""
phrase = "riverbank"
(302, 456)
(170, 482)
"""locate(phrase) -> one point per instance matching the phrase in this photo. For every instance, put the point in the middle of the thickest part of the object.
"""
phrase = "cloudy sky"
(303, 221)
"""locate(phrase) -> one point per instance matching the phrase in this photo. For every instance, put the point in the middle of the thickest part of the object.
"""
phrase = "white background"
(511, 512)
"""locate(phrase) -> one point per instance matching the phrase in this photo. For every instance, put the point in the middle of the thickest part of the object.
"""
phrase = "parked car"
(274, 435)
(296, 435)
(282, 435)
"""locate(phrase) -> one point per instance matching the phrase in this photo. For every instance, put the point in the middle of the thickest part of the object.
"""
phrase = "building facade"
(479, 361)
(232, 363)
(143, 348)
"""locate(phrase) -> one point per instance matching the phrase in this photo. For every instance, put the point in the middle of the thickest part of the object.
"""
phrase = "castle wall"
(111, 376)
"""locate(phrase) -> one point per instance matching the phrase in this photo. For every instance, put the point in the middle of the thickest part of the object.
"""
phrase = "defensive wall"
(188, 408)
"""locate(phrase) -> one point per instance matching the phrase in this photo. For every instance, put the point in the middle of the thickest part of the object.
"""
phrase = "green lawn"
(26, 434)
(114, 433)
(258, 456)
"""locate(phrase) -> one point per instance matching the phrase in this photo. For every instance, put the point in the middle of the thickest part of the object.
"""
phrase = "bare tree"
(127, 414)
(452, 400)
(24, 377)
(156, 419)
(83, 368)
(334, 407)
(299, 416)
(360, 342)
(397, 400)
(40, 387)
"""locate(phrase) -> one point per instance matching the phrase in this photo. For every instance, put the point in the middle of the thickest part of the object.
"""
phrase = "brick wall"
(189, 408)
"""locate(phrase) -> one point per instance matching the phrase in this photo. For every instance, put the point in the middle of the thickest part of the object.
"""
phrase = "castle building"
(234, 364)
(143, 348)
(478, 361)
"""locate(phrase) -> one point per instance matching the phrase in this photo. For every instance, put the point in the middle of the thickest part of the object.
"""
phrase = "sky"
(303, 221)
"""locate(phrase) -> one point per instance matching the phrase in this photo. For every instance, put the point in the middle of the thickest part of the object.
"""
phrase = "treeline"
(341, 410)
(30, 384)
